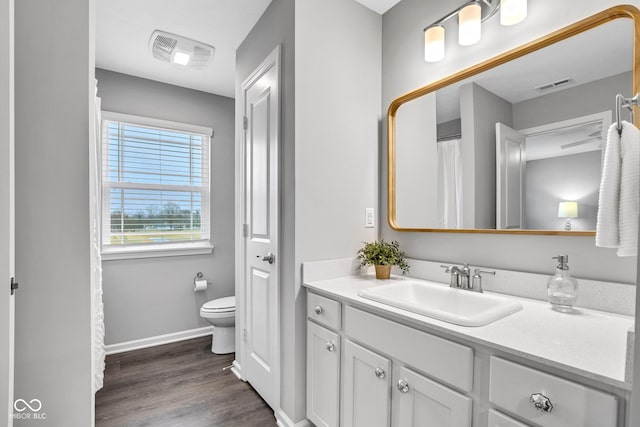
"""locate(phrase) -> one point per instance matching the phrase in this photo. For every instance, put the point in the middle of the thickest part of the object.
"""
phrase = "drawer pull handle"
(379, 373)
(403, 386)
(318, 309)
(331, 346)
(541, 402)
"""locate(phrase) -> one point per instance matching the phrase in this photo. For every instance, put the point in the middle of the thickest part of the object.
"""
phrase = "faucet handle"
(476, 282)
(447, 268)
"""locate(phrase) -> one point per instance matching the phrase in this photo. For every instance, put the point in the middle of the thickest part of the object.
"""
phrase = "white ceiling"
(124, 27)
(380, 6)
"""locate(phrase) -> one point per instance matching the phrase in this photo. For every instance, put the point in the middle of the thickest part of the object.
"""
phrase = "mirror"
(503, 146)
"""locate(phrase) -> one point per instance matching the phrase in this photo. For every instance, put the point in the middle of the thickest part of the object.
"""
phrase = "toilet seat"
(220, 305)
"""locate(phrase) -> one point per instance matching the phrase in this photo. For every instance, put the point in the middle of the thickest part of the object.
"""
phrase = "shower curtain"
(96, 259)
(449, 184)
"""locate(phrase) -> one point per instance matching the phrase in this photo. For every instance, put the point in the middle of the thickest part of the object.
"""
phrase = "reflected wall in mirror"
(498, 147)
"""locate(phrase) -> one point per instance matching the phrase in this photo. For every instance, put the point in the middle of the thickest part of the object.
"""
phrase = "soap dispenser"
(562, 289)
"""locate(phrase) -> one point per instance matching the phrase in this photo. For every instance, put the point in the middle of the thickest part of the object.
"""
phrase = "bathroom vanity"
(371, 364)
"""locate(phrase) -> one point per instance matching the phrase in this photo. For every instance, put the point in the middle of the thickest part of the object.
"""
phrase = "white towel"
(619, 199)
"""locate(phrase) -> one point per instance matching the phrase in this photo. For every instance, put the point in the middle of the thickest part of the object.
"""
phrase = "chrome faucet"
(460, 277)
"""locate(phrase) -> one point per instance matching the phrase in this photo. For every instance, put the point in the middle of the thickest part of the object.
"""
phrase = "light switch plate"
(369, 218)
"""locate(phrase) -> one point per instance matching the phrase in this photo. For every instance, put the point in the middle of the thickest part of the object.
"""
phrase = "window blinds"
(155, 184)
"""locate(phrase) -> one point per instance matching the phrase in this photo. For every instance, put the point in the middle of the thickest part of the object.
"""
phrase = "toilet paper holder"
(199, 282)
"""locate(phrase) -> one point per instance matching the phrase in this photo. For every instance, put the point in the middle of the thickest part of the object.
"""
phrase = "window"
(155, 187)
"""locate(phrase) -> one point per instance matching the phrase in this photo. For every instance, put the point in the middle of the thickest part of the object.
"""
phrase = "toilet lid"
(221, 304)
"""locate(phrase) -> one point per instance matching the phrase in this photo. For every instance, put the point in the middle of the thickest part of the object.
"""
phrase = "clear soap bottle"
(562, 289)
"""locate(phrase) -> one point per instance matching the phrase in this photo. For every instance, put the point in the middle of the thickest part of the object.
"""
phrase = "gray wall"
(276, 27)
(404, 69)
(54, 107)
(154, 296)
(337, 120)
(329, 148)
(480, 111)
(549, 181)
(578, 101)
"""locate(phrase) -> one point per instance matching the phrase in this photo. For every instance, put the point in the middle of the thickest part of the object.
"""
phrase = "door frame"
(272, 60)
(605, 117)
(7, 147)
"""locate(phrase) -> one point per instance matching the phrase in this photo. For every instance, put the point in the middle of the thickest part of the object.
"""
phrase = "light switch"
(369, 221)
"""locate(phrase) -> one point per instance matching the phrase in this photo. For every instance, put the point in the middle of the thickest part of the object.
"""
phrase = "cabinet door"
(423, 402)
(366, 380)
(496, 419)
(323, 375)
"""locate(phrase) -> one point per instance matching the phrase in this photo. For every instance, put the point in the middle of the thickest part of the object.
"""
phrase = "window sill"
(156, 251)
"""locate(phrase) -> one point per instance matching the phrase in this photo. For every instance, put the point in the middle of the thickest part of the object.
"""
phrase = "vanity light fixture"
(470, 17)
(567, 210)
(513, 12)
(469, 26)
(434, 43)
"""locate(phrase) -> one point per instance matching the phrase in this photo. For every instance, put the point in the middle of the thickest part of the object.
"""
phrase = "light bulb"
(469, 25)
(434, 43)
(512, 11)
(181, 58)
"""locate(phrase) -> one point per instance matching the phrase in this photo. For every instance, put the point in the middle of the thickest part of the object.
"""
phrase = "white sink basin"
(457, 306)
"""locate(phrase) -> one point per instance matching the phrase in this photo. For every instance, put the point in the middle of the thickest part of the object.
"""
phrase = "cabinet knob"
(403, 386)
(380, 373)
(541, 402)
(331, 346)
(318, 309)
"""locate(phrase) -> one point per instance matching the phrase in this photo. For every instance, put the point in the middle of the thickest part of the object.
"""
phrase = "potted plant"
(383, 256)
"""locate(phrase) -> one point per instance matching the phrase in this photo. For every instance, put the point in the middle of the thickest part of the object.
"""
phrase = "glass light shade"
(469, 25)
(434, 44)
(512, 12)
(568, 210)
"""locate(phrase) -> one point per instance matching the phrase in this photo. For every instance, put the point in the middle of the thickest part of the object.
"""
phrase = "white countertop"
(588, 343)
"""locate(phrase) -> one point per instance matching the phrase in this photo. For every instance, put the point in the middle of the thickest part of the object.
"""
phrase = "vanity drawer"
(324, 311)
(511, 387)
(437, 357)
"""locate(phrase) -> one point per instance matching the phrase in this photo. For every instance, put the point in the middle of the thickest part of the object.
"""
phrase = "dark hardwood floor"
(180, 384)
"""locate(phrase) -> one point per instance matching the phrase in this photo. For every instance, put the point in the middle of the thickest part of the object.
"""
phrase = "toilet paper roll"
(199, 285)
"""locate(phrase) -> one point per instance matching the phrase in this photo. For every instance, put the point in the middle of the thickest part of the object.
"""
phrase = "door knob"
(269, 257)
(379, 373)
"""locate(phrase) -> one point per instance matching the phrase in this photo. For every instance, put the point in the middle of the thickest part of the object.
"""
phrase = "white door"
(261, 260)
(366, 400)
(510, 174)
(422, 402)
(7, 252)
(323, 376)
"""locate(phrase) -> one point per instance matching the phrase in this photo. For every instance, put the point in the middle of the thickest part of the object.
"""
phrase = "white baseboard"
(158, 340)
(237, 370)
(283, 420)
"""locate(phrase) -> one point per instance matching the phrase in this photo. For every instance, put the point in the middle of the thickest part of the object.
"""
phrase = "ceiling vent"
(180, 50)
(554, 85)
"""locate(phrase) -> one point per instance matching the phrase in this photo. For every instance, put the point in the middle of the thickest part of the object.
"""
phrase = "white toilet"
(221, 313)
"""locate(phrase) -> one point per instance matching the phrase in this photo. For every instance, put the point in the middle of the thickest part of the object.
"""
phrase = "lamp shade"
(568, 210)
(469, 24)
(434, 43)
(512, 12)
